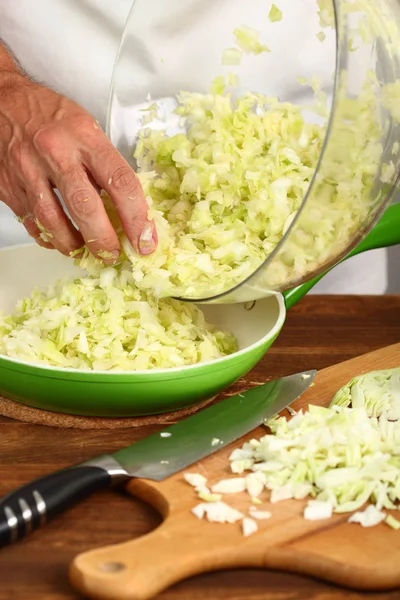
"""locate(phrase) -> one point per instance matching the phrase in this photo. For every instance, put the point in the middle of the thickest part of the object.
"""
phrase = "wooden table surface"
(320, 331)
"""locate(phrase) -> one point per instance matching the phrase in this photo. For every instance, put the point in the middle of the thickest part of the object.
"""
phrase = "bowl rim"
(49, 369)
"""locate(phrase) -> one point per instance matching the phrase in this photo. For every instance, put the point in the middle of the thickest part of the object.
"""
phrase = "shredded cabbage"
(230, 486)
(217, 512)
(341, 459)
(377, 392)
(326, 13)
(346, 456)
(232, 56)
(222, 194)
(317, 510)
(249, 526)
(392, 522)
(228, 188)
(247, 39)
(106, 323)
(260, 515)
(391, 99)
(45, 235)
(225, 192)
(369, 517)
(339, 456)
(275, 14)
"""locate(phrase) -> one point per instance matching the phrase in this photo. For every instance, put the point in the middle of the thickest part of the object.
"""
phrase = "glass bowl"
(338, 61)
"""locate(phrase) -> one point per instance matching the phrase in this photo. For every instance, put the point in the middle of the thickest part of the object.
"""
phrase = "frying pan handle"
(384, 234)
(32, 505)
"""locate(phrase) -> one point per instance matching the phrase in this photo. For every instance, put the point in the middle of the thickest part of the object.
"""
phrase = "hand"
(48, 141)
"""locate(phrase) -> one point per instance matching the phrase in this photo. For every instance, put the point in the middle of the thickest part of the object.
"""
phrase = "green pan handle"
(385, 233)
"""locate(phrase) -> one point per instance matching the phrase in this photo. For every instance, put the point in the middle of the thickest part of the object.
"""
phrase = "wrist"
(8, 61)
(12, 78)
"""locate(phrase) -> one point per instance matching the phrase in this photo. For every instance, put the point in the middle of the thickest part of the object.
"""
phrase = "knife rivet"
(112, 567)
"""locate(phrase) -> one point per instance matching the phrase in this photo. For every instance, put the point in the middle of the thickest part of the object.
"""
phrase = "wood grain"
(319, 332)
(184, 546)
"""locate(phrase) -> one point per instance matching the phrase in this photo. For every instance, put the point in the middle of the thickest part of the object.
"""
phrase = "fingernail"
(147, 243)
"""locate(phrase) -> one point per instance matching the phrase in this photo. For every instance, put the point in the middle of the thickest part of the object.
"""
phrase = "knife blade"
(155, 457)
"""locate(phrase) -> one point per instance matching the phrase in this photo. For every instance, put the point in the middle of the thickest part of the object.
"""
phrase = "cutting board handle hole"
(112, 567)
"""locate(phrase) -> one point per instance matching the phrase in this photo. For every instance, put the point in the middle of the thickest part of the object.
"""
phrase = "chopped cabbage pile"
(342, 459)
(106, 323)
(338, 455)
(223, 193)
(226, 189)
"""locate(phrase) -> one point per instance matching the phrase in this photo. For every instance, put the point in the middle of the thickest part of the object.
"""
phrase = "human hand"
(47, 141)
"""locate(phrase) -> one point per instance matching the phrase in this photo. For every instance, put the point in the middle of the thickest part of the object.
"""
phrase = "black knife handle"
(31, 505)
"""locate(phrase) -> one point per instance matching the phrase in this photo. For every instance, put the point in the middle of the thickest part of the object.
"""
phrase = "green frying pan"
(122, 394)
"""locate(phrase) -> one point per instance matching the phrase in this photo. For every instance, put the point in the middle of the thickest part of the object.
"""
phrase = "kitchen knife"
(155, 457)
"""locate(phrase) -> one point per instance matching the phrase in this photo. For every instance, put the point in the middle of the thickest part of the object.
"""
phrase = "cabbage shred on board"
(341, 459)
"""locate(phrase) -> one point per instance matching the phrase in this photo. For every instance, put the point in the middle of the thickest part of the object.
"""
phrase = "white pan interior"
(24, 268)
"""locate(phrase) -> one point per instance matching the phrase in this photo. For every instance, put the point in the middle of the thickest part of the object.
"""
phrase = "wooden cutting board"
(342, 553)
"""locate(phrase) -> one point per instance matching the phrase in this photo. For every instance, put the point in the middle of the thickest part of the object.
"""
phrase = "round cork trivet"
(28, 414)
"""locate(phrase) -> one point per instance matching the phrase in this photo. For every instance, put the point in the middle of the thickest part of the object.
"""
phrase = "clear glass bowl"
(354, 58)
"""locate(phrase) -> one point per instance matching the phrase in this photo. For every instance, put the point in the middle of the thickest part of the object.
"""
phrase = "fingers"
(40, 237)
(59, 149)
(19, 205)
(87, 210)
(79, 159)
(119, 180)
(53, 225)
(40, 242)
(39, 208)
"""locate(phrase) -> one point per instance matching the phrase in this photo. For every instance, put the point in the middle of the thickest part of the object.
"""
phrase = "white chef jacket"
(71, 46)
